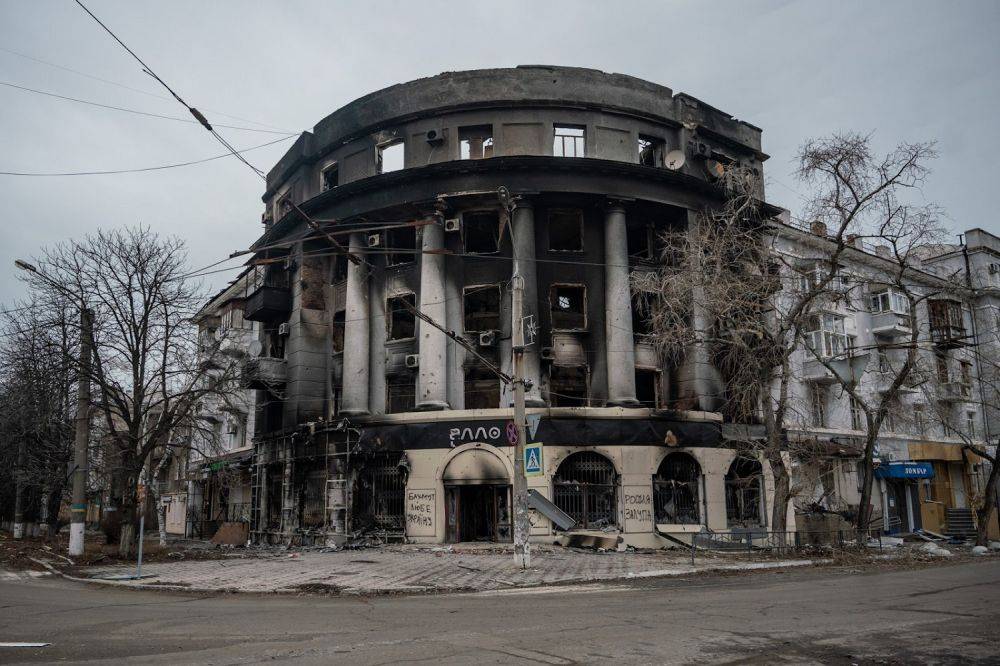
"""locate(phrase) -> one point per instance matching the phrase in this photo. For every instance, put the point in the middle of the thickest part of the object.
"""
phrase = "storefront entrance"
(478, 513)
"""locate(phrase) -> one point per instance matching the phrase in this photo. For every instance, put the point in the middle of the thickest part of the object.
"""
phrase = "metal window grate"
(585, 488)
(743, 493)
(675, 490)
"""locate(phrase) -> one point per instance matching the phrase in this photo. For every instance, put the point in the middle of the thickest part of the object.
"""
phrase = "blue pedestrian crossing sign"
(533, 462)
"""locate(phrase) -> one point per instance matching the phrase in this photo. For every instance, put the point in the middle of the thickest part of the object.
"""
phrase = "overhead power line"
(142, 169)
(125, 87)
(135, 111)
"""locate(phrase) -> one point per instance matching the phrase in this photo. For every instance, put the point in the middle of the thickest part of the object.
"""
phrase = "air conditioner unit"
(413, 360)
(435, 135)
(374, 240)
(284, 329)
(453, 224)
(487, 338)
(699, 148)
(547, 354)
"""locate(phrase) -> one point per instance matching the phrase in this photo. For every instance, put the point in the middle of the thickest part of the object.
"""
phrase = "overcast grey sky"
(907, 71)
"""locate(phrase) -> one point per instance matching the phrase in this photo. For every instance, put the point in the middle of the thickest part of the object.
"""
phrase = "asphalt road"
(948, 614)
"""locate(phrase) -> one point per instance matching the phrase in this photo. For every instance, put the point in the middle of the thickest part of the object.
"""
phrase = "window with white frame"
(857, 415)
(817, 405)
(970, 424)
(815, 275)
(568, 141)
(920, 419)
(882, 356)
(827, 337)
(889, 300)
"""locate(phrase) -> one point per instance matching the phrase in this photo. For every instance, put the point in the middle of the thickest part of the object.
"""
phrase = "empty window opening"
(568, 386)
(482, 389)
(743, 493)
(330, 177)
(340, 268)
(398, 241)
(565, 230)
(389, 156)
(647, 387)
(640, 241)
(401, 323)
(284, 206)
(481, 232)
(338, 331)
(675, 490)
(568, 141)
(312, 496)
(378, 493)
(568, 307)
(650, 151)
(482, 308)
(585, 487)
(641, 315)
(400, 393)
(475, 142)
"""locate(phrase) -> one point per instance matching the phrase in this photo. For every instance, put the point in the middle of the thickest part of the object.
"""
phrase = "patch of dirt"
(318, 588)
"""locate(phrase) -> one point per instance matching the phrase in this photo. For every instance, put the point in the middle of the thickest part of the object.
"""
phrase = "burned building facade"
(372, 418)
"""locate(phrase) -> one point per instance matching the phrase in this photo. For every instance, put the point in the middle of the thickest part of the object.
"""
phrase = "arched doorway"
(744, 493)
(585, 487)
(477, 497)
(676, 490)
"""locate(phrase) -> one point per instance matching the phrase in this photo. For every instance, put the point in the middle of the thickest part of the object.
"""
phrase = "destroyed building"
(370, 419)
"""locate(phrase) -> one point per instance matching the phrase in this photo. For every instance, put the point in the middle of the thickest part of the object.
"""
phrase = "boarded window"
(647, 387)
(475, 142)
(568, 141)
(565, 230)
(398, 241)
(675, 490)
(568, 307)
(482, 389)
(338, 331)
(743, 493)
(481, 231)
(400, 320)
(482, 308)
(400, 393)
(568, 387)
(585, 487)
(389, 156)
(330, 178)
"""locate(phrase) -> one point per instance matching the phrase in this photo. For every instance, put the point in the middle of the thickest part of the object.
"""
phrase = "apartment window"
(476, 142)
(482, 389)
(970, 424)
(481, 232)
(943, 375)
(399, 317)
(882, 355)
(329, 177)
(817, 404)
(889, 300)
(565, 230)
(568, 141)
(647, 387)
(389, 156)
(400, 393)
(889, 416)
(568, 307)
(826, 335)
(650, 151)
(338, 331)
(340, 268)
(641, 323)
(398, 241)
(640, 242)
(816, 274)
(857, 415)
(284, 206)
(919, 419)
(966, 373)
(568, 387)
(481, 305)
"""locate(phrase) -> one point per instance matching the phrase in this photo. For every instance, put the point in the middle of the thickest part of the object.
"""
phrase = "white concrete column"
(432, 377)
(619, 343)
(523, 227)
(354, 394)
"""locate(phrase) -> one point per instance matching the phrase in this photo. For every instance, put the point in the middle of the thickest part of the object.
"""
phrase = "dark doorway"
(478, 513)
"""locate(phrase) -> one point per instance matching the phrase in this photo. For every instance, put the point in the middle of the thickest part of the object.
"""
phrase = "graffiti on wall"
(638, 502)
(420, 506)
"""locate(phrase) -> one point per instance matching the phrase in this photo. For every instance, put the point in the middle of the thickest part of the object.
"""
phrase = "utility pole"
(78, 508)
(522, 526)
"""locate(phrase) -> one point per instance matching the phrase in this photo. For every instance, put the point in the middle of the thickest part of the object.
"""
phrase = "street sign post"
(534, 463)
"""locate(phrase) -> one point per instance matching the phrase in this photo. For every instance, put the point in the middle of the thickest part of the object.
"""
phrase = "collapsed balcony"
(264, 373)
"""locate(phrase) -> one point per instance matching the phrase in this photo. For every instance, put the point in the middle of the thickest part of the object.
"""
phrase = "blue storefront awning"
(905, 470)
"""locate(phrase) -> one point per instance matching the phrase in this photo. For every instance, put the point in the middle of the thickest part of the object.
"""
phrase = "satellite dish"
(255, 348)
(674, 160)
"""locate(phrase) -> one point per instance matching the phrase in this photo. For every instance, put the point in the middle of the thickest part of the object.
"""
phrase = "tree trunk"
(782, 494)
(129, 518)
(985, 512)
(19, 489)
(863, 520)
(43, 512)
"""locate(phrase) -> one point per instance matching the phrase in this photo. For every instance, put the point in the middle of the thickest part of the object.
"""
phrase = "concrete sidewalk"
(415, 570)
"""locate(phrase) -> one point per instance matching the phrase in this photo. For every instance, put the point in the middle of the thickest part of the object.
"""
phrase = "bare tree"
(150, 369)
(731, 287)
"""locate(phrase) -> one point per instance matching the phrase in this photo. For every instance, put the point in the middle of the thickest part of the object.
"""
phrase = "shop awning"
(904, 470)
